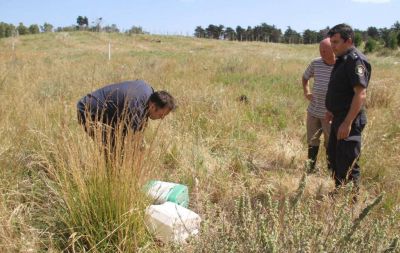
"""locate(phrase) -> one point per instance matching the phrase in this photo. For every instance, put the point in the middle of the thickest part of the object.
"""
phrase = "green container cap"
(179, 195)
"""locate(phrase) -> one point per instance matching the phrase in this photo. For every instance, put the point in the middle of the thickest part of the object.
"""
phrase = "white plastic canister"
(170, 222)
(165, 191)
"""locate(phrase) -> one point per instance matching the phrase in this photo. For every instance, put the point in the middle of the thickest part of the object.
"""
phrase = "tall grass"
(242, 161)
(294, 223)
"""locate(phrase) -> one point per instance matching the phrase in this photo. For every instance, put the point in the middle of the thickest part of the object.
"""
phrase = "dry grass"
(242, 161)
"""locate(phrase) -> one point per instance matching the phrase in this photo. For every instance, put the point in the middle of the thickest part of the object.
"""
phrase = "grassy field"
(243, 162)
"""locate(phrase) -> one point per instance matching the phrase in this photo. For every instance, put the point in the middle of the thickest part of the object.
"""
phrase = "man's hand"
(344, 130)
(356, 104)
(328, 117)
(308, 96)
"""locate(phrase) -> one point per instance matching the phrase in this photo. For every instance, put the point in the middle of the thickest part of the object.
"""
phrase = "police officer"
(117, 108)
(345, 101)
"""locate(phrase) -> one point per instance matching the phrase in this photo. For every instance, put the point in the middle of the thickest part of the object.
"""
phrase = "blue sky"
(182, 16)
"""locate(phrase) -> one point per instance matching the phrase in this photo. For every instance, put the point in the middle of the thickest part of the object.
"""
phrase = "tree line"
(372, 37)
(389, 37)
(82, 24)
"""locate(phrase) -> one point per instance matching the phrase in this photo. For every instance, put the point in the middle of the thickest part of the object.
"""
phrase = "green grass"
(243, 162)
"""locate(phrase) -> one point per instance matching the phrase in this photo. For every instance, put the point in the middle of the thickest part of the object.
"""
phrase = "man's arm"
(306, 89)
(359, 98)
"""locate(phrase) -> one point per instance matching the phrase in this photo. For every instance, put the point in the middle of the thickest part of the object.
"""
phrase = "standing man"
(345, 101)
(115, 109)
(320, 69)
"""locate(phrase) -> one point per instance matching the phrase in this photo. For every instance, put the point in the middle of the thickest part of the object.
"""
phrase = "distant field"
(243, 162)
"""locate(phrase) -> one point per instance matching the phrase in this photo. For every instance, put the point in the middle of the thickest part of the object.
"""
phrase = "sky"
(183, 16)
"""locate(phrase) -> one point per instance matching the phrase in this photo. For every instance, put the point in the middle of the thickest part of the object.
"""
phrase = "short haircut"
(345, 31)
(163, 99)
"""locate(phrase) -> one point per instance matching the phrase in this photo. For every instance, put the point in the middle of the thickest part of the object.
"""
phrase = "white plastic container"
(170, 222)
(164, 191)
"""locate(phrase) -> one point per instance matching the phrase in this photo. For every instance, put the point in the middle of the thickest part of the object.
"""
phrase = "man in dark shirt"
(345, 100)
(116, 109)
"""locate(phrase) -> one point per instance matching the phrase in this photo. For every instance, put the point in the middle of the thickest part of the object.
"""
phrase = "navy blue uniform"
(350, 70)
(122, 105)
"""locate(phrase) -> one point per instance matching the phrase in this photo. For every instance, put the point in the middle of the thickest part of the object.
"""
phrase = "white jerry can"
(170, 222)
(164, 191)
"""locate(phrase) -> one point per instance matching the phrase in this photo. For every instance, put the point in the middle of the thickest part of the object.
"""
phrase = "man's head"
(342, 37)
(326, 52)
(160, 104)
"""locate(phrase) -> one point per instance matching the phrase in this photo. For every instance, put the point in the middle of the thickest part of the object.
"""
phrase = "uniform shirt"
(321, 73)
(125, 102)
(350, 69)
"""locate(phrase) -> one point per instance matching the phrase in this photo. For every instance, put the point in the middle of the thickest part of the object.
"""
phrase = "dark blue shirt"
(125, 103)
(350, 69)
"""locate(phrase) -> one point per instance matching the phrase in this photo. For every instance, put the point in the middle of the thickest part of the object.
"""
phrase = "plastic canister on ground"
(170, 222)
(164, 191)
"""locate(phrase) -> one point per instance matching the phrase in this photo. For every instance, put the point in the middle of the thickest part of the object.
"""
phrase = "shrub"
(357, 39)
(370, 46)
(392, 43)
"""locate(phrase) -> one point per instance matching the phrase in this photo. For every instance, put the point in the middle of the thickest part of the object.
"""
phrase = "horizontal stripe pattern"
(321, 73)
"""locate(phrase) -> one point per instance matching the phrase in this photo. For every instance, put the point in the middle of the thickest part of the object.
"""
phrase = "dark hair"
(163, 99)
(345, 31)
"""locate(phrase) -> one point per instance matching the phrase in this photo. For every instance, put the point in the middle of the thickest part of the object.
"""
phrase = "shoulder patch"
(360, 70)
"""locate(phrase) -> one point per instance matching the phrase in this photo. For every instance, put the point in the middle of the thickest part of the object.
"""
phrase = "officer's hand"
(328, 117)
(344, 130)
(308, 96)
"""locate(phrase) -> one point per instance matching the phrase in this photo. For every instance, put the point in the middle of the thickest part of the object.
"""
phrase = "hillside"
(242, 161)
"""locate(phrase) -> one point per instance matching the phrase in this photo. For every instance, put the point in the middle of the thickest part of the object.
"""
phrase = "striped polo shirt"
(321, 73)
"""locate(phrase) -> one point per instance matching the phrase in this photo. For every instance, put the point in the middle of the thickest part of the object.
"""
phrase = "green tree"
(4, 27)
(97, 24)
(79, 20)
(46, 27)
(385, 36)
(83, 22)
(392, 41)
(373, 32)
(199, 32)
(364, 34)
(276, 35)
(220, 30)
(370, 45)
(396, 29)
(34, 29)
(257, 33)
(398, 39)
(357, 39)
(240, 33)
(10, 30)
(136, 30)
(396, 26)
(111, 28)
(310, 37)
(22, 30)
(229, 34)
(249, 34)
(214, 32)
(267, 32)
(291, 36)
